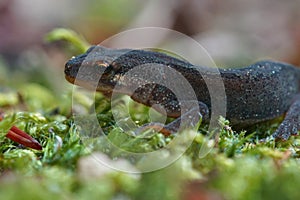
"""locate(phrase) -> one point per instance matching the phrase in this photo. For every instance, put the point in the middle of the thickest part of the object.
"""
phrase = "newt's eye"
(109, 72)
(115, 66)
(100, 63)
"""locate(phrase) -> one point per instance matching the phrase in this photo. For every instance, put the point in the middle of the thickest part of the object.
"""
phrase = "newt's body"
(262, 91)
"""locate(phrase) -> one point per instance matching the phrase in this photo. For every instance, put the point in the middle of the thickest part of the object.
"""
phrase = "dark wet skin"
(262, 91)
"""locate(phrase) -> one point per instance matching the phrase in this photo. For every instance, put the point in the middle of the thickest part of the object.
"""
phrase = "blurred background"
(234, 33)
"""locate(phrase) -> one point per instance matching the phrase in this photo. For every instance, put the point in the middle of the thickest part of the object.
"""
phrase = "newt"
(262, 91)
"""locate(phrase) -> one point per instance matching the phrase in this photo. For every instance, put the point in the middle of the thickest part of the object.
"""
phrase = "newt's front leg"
(291, 123)
(189, 119)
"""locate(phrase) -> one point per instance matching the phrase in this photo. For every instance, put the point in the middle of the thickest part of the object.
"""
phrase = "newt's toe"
(156, 127)
(286, 129)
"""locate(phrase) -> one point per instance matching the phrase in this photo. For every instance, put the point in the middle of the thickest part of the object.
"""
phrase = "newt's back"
(262, 91)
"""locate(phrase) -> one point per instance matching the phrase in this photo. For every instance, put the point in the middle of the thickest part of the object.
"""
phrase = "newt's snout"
(91, 71)
(72, 67)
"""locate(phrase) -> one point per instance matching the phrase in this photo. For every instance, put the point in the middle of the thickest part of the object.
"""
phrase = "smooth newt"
(262, 91)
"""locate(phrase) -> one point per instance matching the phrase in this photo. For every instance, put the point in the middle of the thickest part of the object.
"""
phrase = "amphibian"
(259, 92)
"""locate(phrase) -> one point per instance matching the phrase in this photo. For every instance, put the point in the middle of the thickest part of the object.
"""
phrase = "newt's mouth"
(71, 70)
(70, 79)
(88, 74)
(85, 66)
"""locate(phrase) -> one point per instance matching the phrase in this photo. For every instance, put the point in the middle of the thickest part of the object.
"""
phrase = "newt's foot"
(158, 127)
(286, 129)
(291, 123)
(188, 120)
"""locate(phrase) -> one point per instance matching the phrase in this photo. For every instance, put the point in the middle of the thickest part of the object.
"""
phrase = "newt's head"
(99, 68)
(119, 70)
(102, 68)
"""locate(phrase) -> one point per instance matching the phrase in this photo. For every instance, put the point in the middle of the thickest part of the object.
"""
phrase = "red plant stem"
(19, 136)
